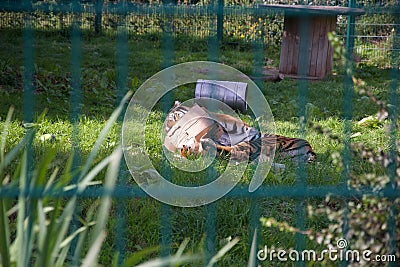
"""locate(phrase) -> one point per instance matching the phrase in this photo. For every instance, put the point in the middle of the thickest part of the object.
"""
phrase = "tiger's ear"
(177, 104)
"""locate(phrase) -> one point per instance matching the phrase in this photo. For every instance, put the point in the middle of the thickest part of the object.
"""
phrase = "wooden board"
(301, 10)
(317, 48)
(314, 54)
(289, 49)
(330, 48)
(321, 48)
(319, 52)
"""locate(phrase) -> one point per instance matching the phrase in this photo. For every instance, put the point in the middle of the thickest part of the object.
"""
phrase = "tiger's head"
(175, 113)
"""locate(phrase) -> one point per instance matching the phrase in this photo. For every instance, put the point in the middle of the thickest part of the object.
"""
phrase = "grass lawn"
(233, 216)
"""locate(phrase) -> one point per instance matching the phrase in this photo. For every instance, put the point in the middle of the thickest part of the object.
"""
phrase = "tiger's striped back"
(295, 149)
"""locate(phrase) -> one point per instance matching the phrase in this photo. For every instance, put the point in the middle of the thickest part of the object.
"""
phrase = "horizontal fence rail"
(127, 191)
(241, 23)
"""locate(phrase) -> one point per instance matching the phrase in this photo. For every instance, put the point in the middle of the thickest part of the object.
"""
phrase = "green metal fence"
(373, 31)
(169, 21)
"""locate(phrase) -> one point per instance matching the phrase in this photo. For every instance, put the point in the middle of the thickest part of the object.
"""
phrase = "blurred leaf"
(253, 251)
(172, 260)
(138, 256)
(182, 247)
(29, 125)
(4, 134)
(104, 132)
(222, 252)
(91, 257)
(47, 137)
(4, 235)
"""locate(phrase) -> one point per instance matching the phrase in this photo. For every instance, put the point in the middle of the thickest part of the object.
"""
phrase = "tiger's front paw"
(207, 146)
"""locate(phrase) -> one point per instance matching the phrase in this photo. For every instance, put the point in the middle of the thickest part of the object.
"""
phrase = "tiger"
(249, 144)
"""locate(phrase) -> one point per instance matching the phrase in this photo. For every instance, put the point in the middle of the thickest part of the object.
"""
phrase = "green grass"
(99, 58)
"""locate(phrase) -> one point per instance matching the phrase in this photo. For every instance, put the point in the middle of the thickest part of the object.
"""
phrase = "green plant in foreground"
(43, 234)
(41, 220)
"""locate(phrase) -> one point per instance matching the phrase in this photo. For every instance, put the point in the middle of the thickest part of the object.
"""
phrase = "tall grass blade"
(138, 256)
(31, 212)
(40, 179)
(52, 232)
(51, 180)
(82, 236)
(222, 252)
(65, 178)
(42, 227)
(109, 184)
(85, 182)
(115, 261)
(4, 134)
(91, 257)
(14, 152)
(18, 247)
(4, 235)
(103, 134)
(171, 260)
(44, 235)
(182, 247)
(80, 230)
(60, 262)
(37, 212)
(253, 251)
(4, 224)
(63, 226)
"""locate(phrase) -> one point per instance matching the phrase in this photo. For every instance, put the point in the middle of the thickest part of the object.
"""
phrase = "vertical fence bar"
(255, 211)
(167, 47)
(76, 54)
(28, 98)
(258, 52)
(213, 38)
(98, 17)
(121, 89)
(220, 20)
(28, 111)
(348, 88)
(393, 115)
(210, 221)
(75, 110)
(122, 58)
(210, 210)
(304, 61)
